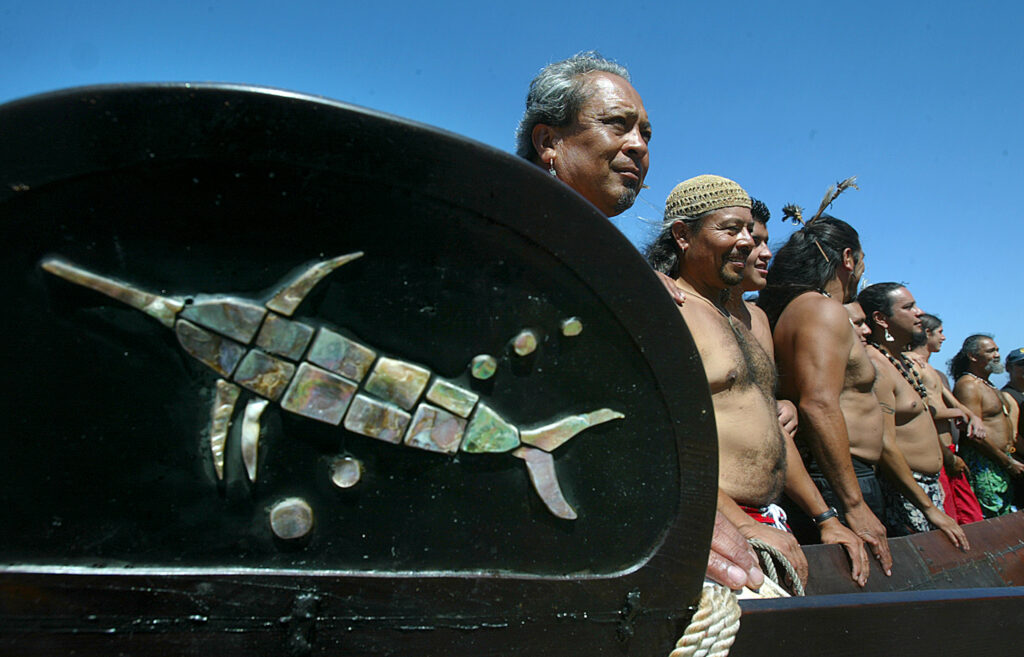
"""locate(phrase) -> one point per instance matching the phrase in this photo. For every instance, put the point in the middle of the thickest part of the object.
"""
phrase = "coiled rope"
(769, 556)
(714, 625)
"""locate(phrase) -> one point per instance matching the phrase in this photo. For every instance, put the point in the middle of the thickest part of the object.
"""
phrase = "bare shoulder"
(885, 371)
(814, 313)
(761, 328)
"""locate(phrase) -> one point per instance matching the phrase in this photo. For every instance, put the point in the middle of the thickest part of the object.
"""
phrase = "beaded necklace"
(906, 368)
(1002, 402)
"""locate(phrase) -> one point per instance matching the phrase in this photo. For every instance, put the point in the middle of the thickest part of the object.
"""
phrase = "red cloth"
(961, 503)
(771, 515)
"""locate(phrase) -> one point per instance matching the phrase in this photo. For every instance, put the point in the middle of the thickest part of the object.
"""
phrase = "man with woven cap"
(911, 452)
(992, 468)
(824, 370)
(703, 245)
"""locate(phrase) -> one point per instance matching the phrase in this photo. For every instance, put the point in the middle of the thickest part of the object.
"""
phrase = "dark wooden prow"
(939, 600)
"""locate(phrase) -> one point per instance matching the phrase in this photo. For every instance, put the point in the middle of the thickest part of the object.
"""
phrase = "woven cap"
(704, 194)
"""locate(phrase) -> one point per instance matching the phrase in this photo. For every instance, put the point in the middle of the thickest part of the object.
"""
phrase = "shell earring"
(551, 168)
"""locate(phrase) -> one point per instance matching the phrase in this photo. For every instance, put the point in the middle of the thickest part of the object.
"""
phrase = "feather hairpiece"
(833, 193)
(795, 213)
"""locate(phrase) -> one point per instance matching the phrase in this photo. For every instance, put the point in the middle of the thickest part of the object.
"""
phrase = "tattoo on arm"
(889, 410)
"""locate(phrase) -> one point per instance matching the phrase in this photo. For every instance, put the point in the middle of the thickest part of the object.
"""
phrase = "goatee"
(995, 367)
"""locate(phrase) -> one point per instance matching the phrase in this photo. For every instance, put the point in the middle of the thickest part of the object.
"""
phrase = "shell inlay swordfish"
(318, 373)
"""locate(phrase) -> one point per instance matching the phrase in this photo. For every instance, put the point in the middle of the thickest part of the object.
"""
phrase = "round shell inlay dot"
(572, 327)
(346, 472)
(525, 343)
(291, 518)
(483, 366)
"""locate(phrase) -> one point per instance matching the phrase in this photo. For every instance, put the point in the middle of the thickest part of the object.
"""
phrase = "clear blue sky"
(923, 101)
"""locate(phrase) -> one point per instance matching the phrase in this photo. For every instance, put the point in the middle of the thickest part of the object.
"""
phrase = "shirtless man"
(824, 370)
(911, 451)
(948, 414)
(704, 245)
(992, 469)
(799, 486)
(586, 125)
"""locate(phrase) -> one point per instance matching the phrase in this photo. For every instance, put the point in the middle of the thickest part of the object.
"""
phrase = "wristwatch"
(827, 515)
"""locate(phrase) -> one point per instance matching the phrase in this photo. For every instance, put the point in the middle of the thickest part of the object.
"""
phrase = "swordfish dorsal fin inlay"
(310, 369)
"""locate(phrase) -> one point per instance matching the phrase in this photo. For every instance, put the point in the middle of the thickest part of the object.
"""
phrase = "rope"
(769, 555)
(713, 628)
(714, 625)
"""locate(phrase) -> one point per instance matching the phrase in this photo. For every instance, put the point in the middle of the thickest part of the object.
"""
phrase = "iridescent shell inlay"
(318, 394)
(220, 422)
(265, 375)
(340, 355)
(376, 419)
(284, 337)
(234, 318)
(291, 518)
(525, 343)
(435, 429)
(452, 398)
(483, 367)
(572, 326)
(346, 472)
(252, 343)
(219, 354)
(398, 382)
(488, 432)
(251, 435)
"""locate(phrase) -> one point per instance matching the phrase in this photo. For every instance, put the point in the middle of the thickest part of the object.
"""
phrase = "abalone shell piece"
(220, 422)
(483, 366)
(234, 318)
(340, 355)
(397, 381)
(263, 374)
(218, 353)
(165, 309)
(284, 337)
(346, 472)
(318, 394)
(452, 398)
(435, 429)
(488, 432)
(376, 419)
(541, 467)
(551, 436)
(251, 435)
(525, 343)
(572, 326)
(291, 518)
(287, 300)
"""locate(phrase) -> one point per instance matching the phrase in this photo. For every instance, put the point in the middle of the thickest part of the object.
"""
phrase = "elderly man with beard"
(992, 469)
(949, 415)
(587, 126)
(824, 370)
(911, 451)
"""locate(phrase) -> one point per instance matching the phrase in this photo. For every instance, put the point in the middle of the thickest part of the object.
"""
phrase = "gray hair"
(557, 94)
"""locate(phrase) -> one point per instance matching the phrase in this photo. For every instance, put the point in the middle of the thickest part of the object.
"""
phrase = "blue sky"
(922, 101)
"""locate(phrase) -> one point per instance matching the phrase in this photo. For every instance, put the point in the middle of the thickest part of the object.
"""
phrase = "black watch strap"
(831, 513)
